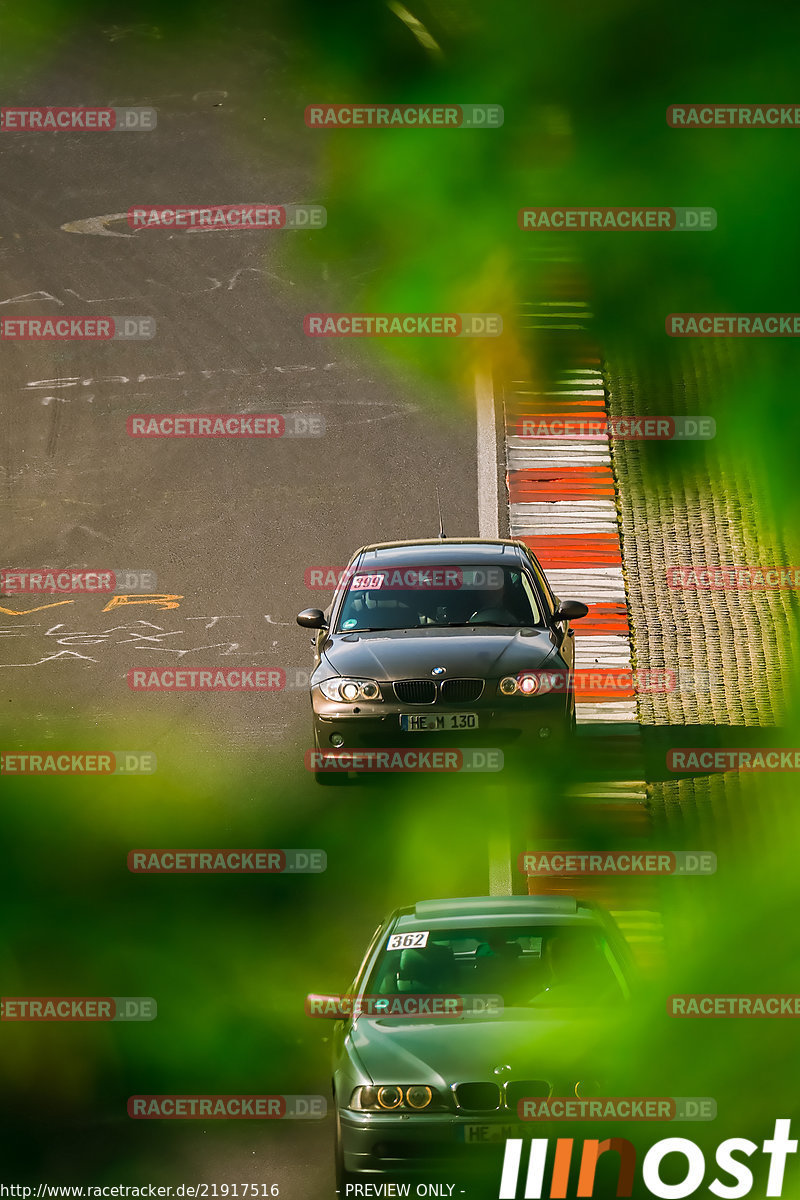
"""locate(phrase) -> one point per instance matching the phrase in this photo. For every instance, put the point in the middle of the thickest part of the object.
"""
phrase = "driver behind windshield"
(506, 605)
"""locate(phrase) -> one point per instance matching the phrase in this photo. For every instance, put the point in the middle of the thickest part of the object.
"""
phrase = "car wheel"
(343, 1177)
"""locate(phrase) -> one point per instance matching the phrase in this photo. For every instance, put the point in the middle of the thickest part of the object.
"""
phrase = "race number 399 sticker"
(408, 941)
(366, 583)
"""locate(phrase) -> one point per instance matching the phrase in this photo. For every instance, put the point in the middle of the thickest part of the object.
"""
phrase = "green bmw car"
(462, 1009)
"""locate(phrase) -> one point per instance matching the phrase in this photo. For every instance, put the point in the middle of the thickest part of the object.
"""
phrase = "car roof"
(467, 911)
(437, 551)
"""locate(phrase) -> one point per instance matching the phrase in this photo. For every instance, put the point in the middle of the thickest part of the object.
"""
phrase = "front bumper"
(381, 1144)
(503, 723)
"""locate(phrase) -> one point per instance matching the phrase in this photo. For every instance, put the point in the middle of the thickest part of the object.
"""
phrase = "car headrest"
(428, 964)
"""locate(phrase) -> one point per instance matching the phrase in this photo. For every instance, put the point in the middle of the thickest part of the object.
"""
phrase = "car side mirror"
(570, 610)
(312, 618)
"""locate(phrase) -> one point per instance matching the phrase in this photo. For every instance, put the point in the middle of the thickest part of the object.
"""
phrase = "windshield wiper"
(478, 624)
(495, 625)
(435, 625)
(380, 629)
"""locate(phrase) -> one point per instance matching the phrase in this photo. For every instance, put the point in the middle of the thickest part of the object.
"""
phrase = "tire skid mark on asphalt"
(98, 226)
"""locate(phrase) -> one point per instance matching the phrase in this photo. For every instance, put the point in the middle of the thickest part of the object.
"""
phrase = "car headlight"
(418, 1097)
(533, 683)
(414, 1097)
(348, 691)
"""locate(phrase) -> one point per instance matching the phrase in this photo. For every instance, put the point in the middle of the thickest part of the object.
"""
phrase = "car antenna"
(442, 534)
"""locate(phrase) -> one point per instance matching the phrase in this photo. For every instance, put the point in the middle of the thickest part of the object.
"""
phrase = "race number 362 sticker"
(407, 941)
(366, 582)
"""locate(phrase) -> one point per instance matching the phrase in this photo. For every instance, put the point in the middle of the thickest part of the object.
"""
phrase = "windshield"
(410, 597)
(538, 967)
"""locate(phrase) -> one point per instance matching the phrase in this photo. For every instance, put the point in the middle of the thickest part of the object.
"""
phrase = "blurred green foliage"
(427, 221)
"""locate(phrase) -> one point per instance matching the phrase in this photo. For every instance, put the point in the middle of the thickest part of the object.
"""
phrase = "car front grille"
(415, 691)
(427, 691)
(524, 1089)
(461, 691)
(491, 1097)
(478, 1097)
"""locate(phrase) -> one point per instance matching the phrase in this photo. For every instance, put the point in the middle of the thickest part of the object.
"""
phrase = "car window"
(526, 587)
(552, 966)
(544, 586)
(407, 597)
(373, 941)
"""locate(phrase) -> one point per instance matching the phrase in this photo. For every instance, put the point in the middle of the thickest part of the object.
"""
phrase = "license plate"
(482, 1135)
(434, 723)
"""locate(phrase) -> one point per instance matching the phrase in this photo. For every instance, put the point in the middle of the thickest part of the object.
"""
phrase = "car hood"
(446, 1051)
(475, 652)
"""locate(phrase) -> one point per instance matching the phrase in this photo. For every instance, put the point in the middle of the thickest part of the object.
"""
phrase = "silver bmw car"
(461, 1010)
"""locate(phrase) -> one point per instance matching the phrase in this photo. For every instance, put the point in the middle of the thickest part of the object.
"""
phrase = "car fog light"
(544, 732)
(418, 1097)
(390, 1097)
(336, 740)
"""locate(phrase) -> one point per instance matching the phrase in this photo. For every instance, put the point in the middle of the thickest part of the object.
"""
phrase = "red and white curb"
(562, 505)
